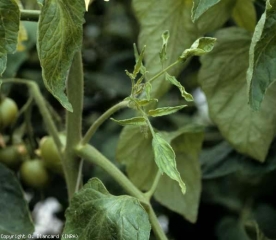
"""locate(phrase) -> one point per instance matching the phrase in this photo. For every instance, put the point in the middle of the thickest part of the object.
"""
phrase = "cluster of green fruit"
(33, 172)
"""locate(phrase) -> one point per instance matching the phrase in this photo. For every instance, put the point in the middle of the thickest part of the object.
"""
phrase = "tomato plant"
(190, 123)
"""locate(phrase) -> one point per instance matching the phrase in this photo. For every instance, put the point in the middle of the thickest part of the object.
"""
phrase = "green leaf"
(163, 52)
(164, 157)
(131, 121)
(223, 79)
(15, 217)
(144, 102)
(135, 151)
(164, 111)
(9, 27)
(187, 96)
(262, 72)
(200, 47)
(59, 38)
(175, 16)
(139, 62)
(201, 6)
(244, 14)
(96, 214)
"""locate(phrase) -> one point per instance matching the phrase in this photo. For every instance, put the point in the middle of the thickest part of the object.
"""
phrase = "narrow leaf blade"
(137, 121)
(158, 112)
(59, 38)
(164, 157)
(187, 96)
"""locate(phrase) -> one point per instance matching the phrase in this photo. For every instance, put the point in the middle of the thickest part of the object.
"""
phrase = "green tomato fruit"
(49, 153)
(8, 112)
(34, 174)
(11, 156)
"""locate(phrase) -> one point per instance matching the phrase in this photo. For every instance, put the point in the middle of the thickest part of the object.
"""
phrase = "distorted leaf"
(244, 14)
(187, 96)
(262, 72)
(15, 217)
(131, 121)
(201, 6)
(144, 102)
(22, 36)
(59, 38)
(96, 214)
(164, 111)
(163, 52)
(200, 47)
(139, 62)
(223, 79)
(164, 157)
(9, 27)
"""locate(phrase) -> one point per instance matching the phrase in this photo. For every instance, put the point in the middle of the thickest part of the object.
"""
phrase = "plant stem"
(164, 71)
(149, 194)
(101, 120)
(158, 232)
(92, 155)
(29, 15)
(73, 123)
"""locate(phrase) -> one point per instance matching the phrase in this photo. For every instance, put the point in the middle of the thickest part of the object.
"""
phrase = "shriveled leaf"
(158, 112)
(201, 6)
(154, 18)
(200, 47)
(148, 88)
(144, 102)
(96, 214)
(22, 36)
(59, 38)
(187, 96)
(164, 157)
(223, 79)
(163, 52)
(135, 151)
(139, 62)
(15, 217)
(131, 121)
(262, 72)
(244, 14)
(9, 27)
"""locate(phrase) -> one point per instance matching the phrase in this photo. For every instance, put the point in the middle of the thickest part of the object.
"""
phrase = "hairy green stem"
(73, 124)
(164, 71)
(92, 155)
(149, 194)
(29, 15)
(101, 120)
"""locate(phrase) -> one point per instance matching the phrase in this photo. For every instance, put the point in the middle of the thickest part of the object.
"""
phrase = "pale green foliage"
(164, 111)
(59, 38)
(131, 121)
(223, 79)
(262, 72)
(244, 14)
(9, 27)
(96, 214)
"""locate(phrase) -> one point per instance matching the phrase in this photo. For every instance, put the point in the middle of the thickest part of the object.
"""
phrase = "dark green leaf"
(200, 47)
(9, 27)
(96, 214)
(223, 79)
(59, 38)
(262, 72)
(187, 96)
(15, 217)
(244, 14)
(164, 111)
(131, 121)
(201, 6)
